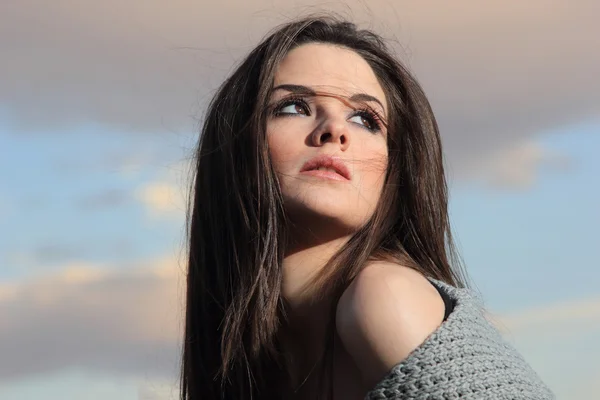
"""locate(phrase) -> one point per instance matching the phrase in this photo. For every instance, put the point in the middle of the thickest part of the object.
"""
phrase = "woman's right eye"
(291, 108)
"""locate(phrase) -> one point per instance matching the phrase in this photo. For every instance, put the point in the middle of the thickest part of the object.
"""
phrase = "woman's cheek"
(286, 137)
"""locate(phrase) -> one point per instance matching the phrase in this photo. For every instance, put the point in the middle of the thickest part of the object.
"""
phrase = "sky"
(100, 104)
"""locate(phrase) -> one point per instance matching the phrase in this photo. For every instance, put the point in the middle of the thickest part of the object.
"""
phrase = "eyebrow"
(305, 90)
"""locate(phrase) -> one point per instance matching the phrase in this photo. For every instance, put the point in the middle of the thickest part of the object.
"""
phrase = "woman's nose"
(333, 130)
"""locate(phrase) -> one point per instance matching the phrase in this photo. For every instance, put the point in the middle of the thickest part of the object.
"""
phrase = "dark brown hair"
(237, 224)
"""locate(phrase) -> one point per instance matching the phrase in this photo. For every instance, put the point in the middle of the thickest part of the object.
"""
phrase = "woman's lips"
(328, 174)
(327, 167)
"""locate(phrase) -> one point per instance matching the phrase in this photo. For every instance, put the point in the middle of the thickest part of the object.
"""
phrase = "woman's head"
(315, 87)
(327, 137)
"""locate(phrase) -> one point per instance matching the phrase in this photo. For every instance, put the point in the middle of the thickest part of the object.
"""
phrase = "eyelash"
(367, 113)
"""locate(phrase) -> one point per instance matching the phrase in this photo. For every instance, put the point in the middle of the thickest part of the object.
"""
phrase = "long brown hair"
(237, 224)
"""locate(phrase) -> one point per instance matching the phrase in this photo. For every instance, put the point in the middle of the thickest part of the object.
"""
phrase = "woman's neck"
(301, 265)
(307, 312)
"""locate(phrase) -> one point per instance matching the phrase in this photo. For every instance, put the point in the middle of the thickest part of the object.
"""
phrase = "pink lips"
(340, 171)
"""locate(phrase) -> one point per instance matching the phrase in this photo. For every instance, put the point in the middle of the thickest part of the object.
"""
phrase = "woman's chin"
(332, 220)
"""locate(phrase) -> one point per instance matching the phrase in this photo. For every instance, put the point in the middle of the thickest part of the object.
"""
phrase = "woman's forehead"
(328, 68)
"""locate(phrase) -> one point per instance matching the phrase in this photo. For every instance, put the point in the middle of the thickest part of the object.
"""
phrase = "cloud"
(552, 336)
(516, 167)
(122, 321)
(105, 199)
(128, 321)
(55, 252)
(586, 390)
(158, 390)
(565, 318)
(161, 198)
(167, 195)
(496, 74)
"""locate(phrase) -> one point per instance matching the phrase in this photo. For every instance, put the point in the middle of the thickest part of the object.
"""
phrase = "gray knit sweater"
(466, 358)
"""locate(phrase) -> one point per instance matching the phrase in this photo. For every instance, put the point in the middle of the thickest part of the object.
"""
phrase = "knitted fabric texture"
(466, 358)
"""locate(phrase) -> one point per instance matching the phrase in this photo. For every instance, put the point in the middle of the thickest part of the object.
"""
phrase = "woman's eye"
(293, 108)
(367, 122)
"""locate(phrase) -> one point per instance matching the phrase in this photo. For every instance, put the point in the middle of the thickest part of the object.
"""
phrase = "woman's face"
(327, 137)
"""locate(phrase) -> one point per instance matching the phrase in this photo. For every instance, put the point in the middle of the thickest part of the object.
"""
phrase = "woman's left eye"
(365, 120)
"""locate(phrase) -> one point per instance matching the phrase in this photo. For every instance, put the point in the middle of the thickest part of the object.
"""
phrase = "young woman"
(319, 243)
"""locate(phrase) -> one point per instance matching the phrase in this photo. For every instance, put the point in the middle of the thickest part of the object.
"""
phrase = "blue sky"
(74, 194)
(544, 237)
(97, 114)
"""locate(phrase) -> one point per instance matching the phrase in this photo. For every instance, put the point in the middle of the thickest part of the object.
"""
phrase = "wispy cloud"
(560, 341)
(104, 199)
(124, 320)
(516, 167)
(496, 73)
(167, 195)
(57, 253)
(564, 316)
(128, 321)
(158, 390)
(161, 198)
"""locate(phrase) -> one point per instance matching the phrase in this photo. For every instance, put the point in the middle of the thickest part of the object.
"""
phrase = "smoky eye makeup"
(299, 104)
(369, 119)
(291, 105)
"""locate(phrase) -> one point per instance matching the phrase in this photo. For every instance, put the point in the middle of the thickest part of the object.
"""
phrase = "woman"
(320, 248)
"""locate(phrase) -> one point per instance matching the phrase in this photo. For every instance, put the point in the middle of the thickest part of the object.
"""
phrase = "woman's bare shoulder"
(385, 313)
